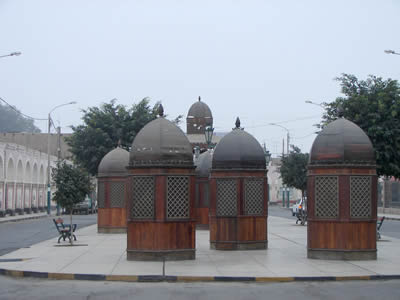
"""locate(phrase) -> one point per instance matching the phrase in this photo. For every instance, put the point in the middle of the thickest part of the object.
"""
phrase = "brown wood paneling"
(342, 235)
(252, 229)
(161, 236)
(102, 217)
(339, 170)
(111, 217)
(202, 215)
(344, 197)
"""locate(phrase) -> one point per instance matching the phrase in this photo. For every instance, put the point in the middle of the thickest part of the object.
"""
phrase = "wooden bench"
(65, 230)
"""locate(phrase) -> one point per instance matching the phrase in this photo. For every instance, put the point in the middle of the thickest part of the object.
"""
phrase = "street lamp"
(17, 53)
(391, 52)
(208, 133)
(288, 136)
(48, 153)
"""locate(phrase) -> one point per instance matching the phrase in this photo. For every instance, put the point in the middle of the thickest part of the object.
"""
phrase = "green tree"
(11, 120)
(374, 105)
(104, 127)
(72, 186)
(293, 169)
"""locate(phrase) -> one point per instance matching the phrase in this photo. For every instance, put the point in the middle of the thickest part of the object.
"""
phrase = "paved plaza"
(105, 254)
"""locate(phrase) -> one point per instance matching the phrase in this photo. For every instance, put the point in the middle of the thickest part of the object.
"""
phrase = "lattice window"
(177, 197)
(143, 197)
(226, 197)
(326, 197)
(100, 195)
(117, 194)
(360, 196)
(254, 196)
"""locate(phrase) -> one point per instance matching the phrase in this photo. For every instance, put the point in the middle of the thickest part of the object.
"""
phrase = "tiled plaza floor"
(286, 256)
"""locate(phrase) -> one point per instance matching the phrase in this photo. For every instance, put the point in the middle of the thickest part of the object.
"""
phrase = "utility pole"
(58, 157)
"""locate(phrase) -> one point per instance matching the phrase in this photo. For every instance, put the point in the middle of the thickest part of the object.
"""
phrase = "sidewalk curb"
(160, 278)
(392, 219)
(23, 219)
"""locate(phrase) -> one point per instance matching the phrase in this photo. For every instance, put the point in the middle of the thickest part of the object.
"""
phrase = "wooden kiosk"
(203, 168)
(238, 190)
(111, 194)
(342, 194)
(161, 218)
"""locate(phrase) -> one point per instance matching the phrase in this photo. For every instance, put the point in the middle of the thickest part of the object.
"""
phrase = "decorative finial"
(199, 98)
(237, 123)
(340, 111)
(160, 110)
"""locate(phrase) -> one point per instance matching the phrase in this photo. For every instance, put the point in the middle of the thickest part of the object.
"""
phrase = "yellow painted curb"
(15, 273)
(61, 276)
(129, 278)
(194, 278)
(343, 278)
(274, 279)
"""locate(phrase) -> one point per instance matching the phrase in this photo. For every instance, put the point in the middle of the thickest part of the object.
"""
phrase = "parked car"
(87, 206)
(300, 204)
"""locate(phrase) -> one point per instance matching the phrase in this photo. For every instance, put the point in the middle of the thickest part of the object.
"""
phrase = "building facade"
(23, 179)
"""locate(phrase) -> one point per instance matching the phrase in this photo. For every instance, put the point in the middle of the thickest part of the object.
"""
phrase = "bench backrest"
(59, 223)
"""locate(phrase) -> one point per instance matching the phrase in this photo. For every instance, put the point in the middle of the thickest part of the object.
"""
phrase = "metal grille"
(117, 194)
(143, 197)
(101, 195)
(254, 196)
(226, 197)
(177, 197)
(326, 197)
(360, 196)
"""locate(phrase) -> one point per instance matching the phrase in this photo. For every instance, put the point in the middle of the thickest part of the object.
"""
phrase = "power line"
(287, 121)
(22, 114)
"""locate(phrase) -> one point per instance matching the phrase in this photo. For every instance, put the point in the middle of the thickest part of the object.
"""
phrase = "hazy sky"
(259, 60)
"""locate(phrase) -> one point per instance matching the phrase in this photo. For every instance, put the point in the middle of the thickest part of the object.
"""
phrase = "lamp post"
(288, 135)
(391, 52)
(48, 153)
(17, 53)
(208, 133)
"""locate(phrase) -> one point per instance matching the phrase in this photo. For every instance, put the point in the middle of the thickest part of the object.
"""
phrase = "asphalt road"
(12, 288)
(389, 228)
(15, 235)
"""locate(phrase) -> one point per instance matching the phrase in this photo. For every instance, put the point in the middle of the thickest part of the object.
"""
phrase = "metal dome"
(161, 143)
(238, 150)
(342, 142)
(199, 110)
(114, 163)
(203, 164)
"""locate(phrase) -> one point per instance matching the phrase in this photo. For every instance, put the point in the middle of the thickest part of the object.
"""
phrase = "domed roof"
(199, 110)
(161, 143)
(238, 150)
(203, 164)
(114, 163)
(342, 142)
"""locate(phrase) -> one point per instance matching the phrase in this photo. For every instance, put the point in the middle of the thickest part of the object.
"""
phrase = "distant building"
(23, 179)
(276, 186)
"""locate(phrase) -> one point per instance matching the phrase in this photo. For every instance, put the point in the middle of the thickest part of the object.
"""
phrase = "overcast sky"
(259, 60)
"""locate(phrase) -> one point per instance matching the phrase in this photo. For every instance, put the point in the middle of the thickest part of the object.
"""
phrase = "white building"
(23, 179)
(275, 184)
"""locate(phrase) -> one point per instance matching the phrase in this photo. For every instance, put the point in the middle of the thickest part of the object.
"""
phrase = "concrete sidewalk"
(102, 256)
